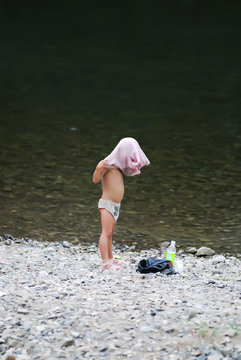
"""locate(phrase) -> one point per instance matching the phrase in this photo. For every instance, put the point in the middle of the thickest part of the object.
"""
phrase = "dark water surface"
(76, 78)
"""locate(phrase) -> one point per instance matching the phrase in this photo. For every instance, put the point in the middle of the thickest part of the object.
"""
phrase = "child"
(127, 158)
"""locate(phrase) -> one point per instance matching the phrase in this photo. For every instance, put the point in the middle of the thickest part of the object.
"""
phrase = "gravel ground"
(55, 303)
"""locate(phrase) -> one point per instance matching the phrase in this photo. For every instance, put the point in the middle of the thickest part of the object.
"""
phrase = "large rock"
(205, 251)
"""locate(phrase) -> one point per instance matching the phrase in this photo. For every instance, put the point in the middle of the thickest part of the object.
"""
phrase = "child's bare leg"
(114, 261)
(105, 241)
(110, 255)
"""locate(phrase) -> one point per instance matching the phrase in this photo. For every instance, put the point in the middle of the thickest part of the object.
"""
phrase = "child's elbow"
(95, 180)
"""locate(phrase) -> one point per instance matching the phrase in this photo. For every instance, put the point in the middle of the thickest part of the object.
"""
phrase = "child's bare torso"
(113, 185)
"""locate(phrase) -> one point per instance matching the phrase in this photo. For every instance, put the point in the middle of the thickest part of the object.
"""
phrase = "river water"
(75, 80)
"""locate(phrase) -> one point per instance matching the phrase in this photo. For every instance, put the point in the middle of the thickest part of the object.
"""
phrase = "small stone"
(75, 334)
(192, 250)
(211, 282)
(8, 242)
(218, 259)
(66, 244)
(192, 314)
(145, 328)
(18, 241)
(41, 328)
(8, 237)
(201, 357)
(196, 352)
(23, 311)
(205, 251)
(216, 272)
(220, 286)
(224, 350)
(23, 357)
(105, 348)
(214, 356)
(230, 332)
(68, 342)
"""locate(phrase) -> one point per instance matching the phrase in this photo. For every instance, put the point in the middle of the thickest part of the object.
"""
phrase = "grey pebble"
(68, 342)
(215, 356)
(66, 244)
(224, 350)
(8, 237)
(191, 250)
(218, 259)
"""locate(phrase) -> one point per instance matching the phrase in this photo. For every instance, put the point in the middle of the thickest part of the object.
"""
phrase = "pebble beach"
(56, 303)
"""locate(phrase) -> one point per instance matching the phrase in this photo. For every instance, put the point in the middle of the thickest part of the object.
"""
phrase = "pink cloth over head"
(128, 157)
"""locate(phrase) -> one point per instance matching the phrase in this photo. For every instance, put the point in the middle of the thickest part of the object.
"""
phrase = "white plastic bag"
(178, 265)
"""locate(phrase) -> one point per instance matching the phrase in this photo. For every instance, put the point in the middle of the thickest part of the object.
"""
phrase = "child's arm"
(100, 170)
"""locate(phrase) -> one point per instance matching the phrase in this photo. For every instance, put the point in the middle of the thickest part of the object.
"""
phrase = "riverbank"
(55, 303)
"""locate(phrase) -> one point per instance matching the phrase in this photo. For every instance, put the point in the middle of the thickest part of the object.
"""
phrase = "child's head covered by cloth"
(128, 157)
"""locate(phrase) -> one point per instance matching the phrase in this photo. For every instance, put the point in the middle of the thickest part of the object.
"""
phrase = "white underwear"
(112, 207)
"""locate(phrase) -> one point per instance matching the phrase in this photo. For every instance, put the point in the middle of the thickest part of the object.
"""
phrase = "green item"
(171, 252)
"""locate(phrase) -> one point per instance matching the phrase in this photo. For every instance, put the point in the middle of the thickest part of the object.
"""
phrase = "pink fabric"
(128, 157)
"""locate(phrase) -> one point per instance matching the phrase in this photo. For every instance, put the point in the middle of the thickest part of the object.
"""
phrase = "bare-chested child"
(127, 158)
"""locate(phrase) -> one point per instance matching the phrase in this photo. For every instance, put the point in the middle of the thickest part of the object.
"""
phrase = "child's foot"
(118, 262)
(109, 266)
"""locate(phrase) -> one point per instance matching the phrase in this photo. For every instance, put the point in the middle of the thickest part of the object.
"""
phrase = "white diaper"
(112, 207)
